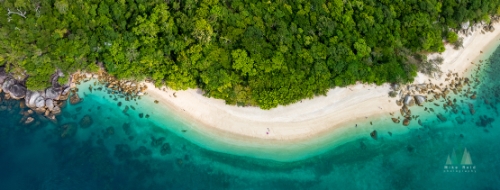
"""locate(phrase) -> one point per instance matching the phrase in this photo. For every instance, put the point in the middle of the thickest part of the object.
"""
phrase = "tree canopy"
(247, 52)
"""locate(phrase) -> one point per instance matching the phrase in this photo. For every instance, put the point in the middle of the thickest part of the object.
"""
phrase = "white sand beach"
(311, 117)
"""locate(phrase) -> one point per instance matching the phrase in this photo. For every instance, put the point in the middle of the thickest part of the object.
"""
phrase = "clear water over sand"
(148, 147)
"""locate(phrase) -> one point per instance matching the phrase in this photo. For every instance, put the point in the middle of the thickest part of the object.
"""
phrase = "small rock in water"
(132, 107)
(184, 130)
(406, 122)
(147, 115)
(119, 104)
(156, 101)
(373, 134)
(390, 133)
(78, 108)
(29, 120)
(141, 115)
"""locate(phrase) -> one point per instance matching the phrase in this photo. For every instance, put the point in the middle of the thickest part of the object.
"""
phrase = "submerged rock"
(86, 121)
(484, 121)
(56, 110)
(165, 149)
(441, 117)
(40, 110)
(68, 130)
(395, 120)
(157, 142)
(110, 130)
(74, 98)
(127, 129)
(142, 150)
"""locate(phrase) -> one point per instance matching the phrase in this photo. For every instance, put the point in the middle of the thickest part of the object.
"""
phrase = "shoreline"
(310, 118)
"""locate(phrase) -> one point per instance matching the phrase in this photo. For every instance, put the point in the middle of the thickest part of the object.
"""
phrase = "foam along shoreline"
(309, 122)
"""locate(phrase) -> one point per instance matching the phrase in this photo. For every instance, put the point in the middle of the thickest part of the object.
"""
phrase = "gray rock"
(3, 75)
(40, 102)
(6, 85)
(52, 93)
(407, 99)
(66, 91)
(17, 91)
(50, 104)
(420, 99)
(30, 98)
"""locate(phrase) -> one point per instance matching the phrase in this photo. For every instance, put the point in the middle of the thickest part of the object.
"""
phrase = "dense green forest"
(247, 52)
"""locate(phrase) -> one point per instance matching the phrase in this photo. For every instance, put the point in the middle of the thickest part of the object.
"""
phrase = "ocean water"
(151, 147)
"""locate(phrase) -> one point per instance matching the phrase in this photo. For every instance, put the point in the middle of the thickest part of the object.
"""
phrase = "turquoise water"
(149, 147)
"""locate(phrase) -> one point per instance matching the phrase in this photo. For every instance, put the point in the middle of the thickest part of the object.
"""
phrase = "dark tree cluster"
(247, 52)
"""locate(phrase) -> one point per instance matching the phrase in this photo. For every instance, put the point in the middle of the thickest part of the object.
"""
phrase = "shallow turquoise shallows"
(148, 147)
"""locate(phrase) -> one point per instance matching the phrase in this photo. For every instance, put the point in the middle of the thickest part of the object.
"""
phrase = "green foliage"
(247, 52)
(452, 37)
(63, 80)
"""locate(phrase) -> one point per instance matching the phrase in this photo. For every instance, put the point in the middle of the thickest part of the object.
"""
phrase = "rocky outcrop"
(6, 85)
(17, 91)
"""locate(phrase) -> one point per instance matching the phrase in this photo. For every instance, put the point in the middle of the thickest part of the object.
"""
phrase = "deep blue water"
(126, 151)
